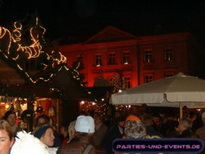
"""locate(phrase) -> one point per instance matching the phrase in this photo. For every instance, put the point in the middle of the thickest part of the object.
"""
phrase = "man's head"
(134, 128)
(41, 120)
(118, 114)
(147, 120)
(184, 124)
(156, 119)
(121, 121)
(85, 124)
(97, 118)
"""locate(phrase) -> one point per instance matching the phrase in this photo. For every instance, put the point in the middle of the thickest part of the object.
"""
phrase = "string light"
(3, 33)
(21, 51)
(34, 50)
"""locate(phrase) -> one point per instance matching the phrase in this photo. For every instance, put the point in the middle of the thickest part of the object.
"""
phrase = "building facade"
(137, 59)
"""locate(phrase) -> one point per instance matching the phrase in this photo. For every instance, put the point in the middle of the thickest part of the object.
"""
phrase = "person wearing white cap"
(84, 127)
(85, 124)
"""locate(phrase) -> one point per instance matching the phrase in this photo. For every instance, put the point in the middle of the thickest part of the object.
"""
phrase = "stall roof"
(8, 75)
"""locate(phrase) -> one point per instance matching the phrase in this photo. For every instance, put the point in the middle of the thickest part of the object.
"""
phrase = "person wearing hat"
(43, 120)
(26, 143)
(134, 128)
(84, 129)
(45, 134)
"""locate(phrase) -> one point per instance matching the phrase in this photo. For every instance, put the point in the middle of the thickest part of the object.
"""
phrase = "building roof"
(110, 33)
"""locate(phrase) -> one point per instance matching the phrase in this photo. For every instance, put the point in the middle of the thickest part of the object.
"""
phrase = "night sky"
(80, 19)
(77, 20)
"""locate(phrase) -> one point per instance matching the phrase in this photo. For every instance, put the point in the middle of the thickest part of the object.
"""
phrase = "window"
(126, 58)
(148, 56)
(127, 82)
(148, 78)
(98, 60)
(168, 55)
(111, 59)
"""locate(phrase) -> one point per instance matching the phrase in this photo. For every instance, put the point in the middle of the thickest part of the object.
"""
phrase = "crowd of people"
(91, 133)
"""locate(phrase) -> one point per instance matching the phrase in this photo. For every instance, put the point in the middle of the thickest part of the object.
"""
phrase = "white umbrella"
(178, 90)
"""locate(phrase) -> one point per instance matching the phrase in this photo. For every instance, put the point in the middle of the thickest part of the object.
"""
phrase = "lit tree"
(118, 82)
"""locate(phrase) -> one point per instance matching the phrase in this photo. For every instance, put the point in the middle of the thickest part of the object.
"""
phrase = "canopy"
(174, 91)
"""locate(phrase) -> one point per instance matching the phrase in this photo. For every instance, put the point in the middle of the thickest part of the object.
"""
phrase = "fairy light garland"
(34, 50)
(16, 35)
(4, 32)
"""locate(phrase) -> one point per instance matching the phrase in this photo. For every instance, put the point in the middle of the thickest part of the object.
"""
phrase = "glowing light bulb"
(93, 103)
(82, 102)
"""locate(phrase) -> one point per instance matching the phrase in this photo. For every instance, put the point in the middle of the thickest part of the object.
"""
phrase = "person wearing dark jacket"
(84, 129)
(184, 129)
(116, 131)
(147, 120)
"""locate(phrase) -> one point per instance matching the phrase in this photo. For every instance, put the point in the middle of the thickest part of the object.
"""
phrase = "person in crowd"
(116, 131)
(26, 143)
(41, 120)
(115, 117)
(45, 134)
(71, 130)
(197, 123)
(100, 129)
(184, 128)
(147, 120)
(192, 115)
(200, 132)
(10, 117)
(171, 127)
(117, 114)
(84, 129)
(111, 115)
(64, 134)
(44, 119)
(6, 137)
(157, 122)
(134, 128)
(71, 127)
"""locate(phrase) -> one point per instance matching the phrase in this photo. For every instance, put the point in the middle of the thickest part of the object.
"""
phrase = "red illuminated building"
(139, 59)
